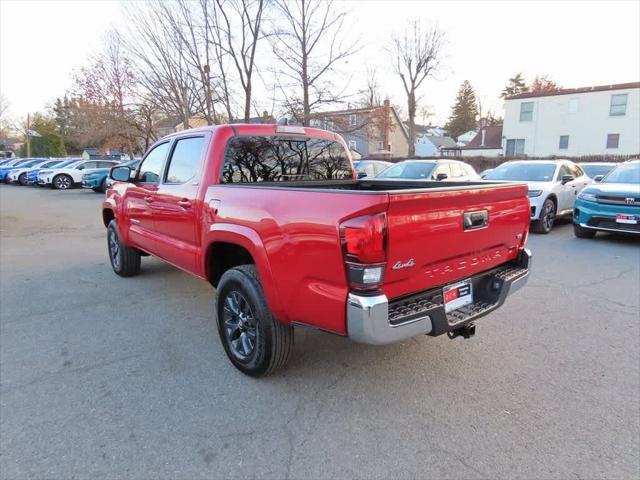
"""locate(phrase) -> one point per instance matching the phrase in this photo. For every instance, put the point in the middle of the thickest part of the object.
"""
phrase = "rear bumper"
(376, 321)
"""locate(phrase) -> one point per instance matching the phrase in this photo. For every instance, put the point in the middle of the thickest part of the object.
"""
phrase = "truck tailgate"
(429, 244)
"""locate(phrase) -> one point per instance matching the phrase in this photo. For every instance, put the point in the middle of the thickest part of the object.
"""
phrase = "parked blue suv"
(19, 163)
(611, 204)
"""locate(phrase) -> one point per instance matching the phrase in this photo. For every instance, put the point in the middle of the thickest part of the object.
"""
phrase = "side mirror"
(598, 178)
(362, 174)
(566, 179)
(120, 174)
(442, 176)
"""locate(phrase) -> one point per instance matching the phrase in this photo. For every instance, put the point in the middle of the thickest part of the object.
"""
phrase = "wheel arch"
(227, 246)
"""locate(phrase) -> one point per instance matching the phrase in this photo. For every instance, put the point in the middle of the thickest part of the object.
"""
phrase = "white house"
(432, 145)
(577, 121)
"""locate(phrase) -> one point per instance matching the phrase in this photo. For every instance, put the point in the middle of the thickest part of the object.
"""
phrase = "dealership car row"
(598, 196)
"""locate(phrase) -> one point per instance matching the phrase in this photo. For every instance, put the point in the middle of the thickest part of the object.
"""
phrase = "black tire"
(62, 182)
(254, 341)
(582, 232)
(103, 185)
(125, 261)
(547, 217)
(22, 179)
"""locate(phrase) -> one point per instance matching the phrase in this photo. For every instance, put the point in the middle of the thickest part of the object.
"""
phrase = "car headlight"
(534, 193)
(587, 196)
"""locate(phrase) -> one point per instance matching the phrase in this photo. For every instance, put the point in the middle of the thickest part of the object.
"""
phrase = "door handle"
(184, 203)
(148, 199)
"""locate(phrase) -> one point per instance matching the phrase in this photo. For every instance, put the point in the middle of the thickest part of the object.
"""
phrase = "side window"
(379, 167)
(151, 166)
(575, 170)
(456, 170)
(184, 160)
(86, 165)
(564, 170)
(442, 168)
(105, 164)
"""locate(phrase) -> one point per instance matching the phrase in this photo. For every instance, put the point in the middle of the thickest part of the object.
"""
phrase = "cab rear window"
(253, 159)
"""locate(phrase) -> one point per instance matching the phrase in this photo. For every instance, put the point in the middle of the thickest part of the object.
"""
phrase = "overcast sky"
(576, 43)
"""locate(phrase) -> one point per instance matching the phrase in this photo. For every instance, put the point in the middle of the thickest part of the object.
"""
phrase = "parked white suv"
(553, 187)
(65, 178)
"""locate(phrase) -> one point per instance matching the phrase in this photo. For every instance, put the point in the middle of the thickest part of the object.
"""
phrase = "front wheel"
(254, 341)
(22, 179)
(62, 182)
(582, 232)
(125, 261)
(547, 217)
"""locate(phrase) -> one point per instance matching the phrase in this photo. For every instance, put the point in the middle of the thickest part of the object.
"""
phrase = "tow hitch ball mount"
(466, 331)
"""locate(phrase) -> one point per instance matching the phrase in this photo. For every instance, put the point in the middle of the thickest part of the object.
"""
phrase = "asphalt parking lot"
(104, 377)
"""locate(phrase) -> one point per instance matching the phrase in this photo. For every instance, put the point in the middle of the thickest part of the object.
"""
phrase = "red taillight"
(364, 241)
(364, 238)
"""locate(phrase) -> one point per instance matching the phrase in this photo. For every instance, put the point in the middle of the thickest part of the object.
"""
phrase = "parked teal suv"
(611, 204)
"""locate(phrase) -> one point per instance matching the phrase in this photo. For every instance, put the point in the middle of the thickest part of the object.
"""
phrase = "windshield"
(409, 170)
(71, 163)
(595, 170)
(625, 173)
(523, 171)
(32, 163)
(50, 164)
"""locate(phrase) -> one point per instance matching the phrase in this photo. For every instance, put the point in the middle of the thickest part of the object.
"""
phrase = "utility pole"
(28, 136)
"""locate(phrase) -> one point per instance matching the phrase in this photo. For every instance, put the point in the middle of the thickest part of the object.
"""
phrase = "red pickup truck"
(274, 217)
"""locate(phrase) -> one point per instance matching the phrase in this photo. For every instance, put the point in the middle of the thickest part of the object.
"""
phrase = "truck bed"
(369, 186)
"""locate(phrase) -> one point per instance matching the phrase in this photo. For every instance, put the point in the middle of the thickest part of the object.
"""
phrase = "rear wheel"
(582, 232)
(254, 341)
(22, 179)
(125, 261)
(547, 217)
(62, 182)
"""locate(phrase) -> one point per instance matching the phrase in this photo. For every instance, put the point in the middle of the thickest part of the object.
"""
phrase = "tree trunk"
(247, 101)
(411, 101)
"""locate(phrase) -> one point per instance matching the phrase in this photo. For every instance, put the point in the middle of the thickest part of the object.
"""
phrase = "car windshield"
(50, 164)
(523, 171)
(32, 163)
(409, 170)
(625, 173)
(69, 164)
(595, 170)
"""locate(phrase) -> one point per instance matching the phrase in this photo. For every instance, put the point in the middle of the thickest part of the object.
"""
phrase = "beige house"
(371, 132)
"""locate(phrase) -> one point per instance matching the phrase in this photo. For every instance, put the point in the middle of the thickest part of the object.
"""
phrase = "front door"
(175, 206)
(140, 196)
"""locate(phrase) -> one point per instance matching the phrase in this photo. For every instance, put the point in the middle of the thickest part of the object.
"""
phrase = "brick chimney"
(386, 124)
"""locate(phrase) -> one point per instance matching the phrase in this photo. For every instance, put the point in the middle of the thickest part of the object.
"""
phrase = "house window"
(515, 146)
(352, 120)
(526, 111)
(380, 145)
(613, 139)
(618, 105)
(564, 142)
(352, 145)
(389, 148)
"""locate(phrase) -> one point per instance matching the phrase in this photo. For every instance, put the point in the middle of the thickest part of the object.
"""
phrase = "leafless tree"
(309, 43)
(371, 97)
(416, 56)
(165, 72)
(239, 25)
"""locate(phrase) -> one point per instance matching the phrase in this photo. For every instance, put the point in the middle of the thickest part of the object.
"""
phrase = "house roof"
(492, 138)
(573, 91)
(442, 142)
(349, 111)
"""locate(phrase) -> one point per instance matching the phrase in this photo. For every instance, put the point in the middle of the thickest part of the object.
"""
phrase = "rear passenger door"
(175, 205)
